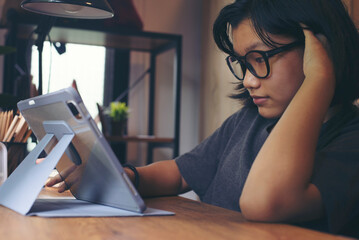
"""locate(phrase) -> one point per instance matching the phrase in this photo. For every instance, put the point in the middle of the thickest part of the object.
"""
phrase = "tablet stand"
(23, 186)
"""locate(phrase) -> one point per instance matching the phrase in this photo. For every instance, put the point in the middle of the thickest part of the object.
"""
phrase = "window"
(83, 63)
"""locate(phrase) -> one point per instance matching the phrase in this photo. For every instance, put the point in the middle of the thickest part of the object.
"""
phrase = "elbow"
(263, 208)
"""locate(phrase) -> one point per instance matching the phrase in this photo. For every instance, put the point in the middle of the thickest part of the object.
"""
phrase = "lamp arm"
(42, 30)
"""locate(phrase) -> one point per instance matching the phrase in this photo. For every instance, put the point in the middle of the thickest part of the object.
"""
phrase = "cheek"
(290, 78)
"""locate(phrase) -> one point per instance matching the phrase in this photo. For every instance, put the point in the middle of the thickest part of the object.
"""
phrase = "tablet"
(94, 172)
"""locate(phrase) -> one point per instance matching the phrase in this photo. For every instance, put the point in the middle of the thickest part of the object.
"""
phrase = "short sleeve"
(336, 175)
(199, 166)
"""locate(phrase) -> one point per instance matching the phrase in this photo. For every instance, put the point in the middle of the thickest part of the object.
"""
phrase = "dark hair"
(283, 17)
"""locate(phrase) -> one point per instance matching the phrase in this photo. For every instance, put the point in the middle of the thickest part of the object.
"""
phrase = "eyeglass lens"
(254, 61)
(236, 67)
(256, 64)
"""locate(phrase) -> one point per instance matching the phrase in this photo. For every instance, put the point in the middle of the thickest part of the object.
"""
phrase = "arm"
(278, 186)
(160, 178)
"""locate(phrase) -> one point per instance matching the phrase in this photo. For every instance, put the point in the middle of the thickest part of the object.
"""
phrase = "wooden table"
(193, 220)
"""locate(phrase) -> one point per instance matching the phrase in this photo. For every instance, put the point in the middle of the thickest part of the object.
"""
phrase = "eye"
(255, 57)
(259, 59)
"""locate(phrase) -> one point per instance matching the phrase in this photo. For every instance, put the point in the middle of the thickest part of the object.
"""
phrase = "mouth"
(259, 100)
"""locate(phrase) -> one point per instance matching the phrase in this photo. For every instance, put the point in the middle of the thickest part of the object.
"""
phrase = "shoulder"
(341, 130)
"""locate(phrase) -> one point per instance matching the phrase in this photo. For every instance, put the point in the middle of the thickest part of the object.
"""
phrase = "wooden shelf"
(108, 37)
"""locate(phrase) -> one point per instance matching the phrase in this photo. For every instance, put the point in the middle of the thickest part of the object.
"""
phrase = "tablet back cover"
(95, 174)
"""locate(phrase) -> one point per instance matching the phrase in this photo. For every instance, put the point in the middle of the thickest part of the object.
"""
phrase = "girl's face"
(273, 93)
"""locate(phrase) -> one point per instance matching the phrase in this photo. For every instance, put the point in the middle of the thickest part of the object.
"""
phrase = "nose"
(250, 81)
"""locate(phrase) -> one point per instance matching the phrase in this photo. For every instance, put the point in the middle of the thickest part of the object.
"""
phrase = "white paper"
(3, 163)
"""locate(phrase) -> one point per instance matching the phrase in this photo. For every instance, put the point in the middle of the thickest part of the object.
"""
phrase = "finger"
(62, 187)
(66, 172)
(310, 36)
(304, 26)
(53, 180)
(324, 42)
(317, 54)
(315, 41)
(39, 160)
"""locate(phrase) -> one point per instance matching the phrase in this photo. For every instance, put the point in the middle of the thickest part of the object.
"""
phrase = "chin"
(269, 113)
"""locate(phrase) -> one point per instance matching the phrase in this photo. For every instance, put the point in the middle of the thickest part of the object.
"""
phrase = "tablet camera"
(75, 112)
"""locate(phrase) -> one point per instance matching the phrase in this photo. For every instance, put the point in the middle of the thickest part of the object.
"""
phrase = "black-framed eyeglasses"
(255, 61)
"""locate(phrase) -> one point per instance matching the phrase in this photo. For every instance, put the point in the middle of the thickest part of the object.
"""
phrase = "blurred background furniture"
(122, 41)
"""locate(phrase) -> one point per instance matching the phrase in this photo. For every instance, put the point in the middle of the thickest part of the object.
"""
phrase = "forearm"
(278, 186)
(281, 172)
(159, 179)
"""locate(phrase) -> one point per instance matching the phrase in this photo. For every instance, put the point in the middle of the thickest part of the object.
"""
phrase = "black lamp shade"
(85, 9)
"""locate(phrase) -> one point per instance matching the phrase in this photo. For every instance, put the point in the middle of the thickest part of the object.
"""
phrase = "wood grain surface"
(193, 220)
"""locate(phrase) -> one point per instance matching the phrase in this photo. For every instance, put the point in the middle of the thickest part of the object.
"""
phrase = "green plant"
(118, 111)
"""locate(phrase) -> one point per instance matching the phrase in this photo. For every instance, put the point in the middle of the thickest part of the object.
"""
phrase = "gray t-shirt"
(218, 167)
